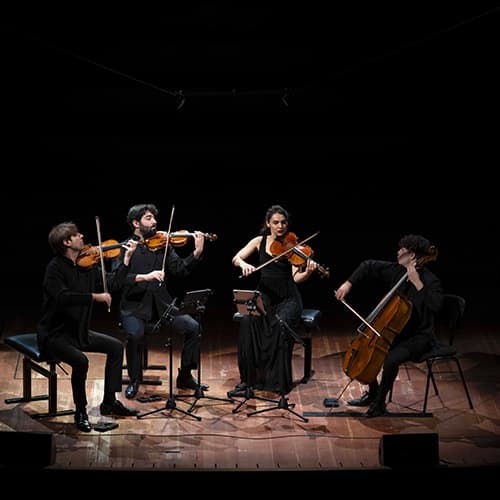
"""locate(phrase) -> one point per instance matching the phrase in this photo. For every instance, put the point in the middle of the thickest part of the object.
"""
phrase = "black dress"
(265, 347)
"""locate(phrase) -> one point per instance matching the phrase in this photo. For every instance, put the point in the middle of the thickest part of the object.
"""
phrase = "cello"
(365, 356)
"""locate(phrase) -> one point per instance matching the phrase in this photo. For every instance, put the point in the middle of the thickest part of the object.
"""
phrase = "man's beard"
(147, 232)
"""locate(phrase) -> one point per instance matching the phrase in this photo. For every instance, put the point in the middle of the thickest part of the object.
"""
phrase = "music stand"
(166, 318)
(282, 403)
(248, 302)
(194, 304)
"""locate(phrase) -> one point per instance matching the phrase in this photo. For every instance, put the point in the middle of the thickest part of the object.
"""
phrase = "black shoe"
(82, 421)
(186, 381)
(132, 389)
(365, 400)
(376, 409)
(117, 408)
(239, 390)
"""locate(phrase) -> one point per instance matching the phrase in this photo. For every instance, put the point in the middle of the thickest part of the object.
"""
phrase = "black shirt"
(139, 298)
(67, 298)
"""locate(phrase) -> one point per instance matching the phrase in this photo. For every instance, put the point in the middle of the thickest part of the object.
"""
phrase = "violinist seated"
(262, 356)
(145, 297)
(69, 292)
(423, 289)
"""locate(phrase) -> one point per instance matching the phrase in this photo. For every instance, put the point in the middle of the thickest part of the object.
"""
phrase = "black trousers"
(182, 324)
(68, 350)
(401, 351)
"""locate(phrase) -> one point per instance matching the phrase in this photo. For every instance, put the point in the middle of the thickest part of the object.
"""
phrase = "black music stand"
(282, 403)
(194, 304)
(166, 318)
(248, 302)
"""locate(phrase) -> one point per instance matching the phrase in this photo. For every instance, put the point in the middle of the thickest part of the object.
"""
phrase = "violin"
(176, 239)
(289, 248)
(90, 255)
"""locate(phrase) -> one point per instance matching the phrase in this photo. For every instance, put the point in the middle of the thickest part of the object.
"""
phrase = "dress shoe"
(186, 381)
(132, 389)
(82, 421)
(376, 409)
(239, 390)
(365, 400)
(117, 408)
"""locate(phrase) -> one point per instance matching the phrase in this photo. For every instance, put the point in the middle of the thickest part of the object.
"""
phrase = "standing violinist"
(69, 292)
(423, 289)
(260, 349)
(145, 297)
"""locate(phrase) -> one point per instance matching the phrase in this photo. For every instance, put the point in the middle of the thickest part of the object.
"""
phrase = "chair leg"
(307, 359)
(145, 362)
(51, 376)
(144, 365)
(430, 372)
(457, 362)
(427, 383)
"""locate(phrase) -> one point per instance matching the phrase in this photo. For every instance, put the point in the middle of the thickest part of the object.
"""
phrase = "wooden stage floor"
(338, 439)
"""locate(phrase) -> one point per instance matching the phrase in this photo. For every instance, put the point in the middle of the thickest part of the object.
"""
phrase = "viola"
(289, 248)
(90, 254)
(176, 239)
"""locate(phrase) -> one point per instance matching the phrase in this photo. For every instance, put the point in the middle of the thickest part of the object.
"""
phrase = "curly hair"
(417, 244)
(137, 211)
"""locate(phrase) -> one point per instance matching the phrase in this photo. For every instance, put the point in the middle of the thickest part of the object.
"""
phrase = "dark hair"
(275, 209)
(417, 244)
(61, 233)
(137, 211)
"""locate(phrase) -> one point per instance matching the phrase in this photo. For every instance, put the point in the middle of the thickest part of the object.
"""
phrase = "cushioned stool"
(27, 345)
(309, 319)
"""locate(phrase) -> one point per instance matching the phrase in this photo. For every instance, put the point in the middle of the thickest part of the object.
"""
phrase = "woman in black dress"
(264, 346)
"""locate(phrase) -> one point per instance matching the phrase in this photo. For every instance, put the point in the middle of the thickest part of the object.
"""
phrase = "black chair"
(448, 321)
(309, 320)
(26, 344)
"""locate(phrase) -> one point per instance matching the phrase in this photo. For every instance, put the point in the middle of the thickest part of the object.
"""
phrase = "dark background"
(365, 122)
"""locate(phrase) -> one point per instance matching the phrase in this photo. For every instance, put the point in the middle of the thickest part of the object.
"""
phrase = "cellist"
(423, 289)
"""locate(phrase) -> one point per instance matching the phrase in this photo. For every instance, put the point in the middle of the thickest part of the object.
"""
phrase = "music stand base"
(169, 405)
(198, 394)
(249, 394)
(282, 405)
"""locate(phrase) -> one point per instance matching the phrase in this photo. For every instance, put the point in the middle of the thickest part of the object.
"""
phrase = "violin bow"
(359, 316)
(103, 271)
(276, 257)
(167, 241)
